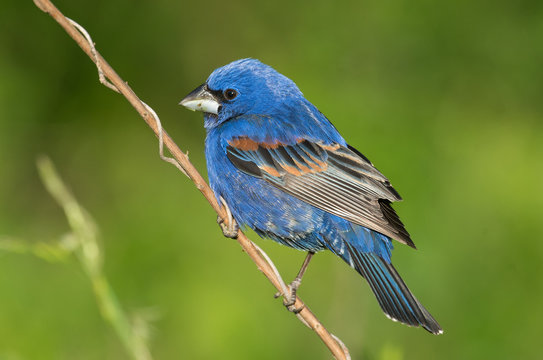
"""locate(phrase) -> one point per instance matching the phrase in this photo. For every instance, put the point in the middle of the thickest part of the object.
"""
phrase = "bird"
(283, 170)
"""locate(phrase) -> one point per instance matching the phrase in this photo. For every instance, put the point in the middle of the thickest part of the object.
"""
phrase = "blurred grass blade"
(133, 334)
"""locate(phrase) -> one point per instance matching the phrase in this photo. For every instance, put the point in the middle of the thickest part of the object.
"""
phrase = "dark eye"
(230, 94)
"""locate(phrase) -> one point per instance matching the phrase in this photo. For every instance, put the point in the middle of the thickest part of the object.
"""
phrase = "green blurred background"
(444, 97)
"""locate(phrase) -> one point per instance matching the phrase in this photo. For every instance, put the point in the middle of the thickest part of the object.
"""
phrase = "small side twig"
(108, 76)
(103, 79)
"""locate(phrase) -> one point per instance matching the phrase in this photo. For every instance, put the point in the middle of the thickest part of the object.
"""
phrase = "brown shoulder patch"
(246, 144)
(243, 143)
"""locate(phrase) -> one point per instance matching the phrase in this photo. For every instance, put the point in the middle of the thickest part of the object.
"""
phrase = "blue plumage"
(286, 172)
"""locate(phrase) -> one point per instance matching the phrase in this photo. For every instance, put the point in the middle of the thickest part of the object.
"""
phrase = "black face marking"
(222, 96)
(217, 94)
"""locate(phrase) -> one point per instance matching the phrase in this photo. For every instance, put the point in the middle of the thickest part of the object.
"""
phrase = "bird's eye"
(230, 94)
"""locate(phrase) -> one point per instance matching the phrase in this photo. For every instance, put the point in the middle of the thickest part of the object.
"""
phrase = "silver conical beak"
(200, 99)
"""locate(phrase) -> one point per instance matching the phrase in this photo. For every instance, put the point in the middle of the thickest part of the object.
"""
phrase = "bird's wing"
(334, 178)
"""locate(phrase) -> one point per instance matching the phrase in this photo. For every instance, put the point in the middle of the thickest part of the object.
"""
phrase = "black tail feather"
(397, 302)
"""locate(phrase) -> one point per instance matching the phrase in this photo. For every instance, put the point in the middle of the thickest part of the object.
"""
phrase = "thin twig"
(103, 79)
(336, 348)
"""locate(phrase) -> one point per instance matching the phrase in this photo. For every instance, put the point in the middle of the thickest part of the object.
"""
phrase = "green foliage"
(444, 97)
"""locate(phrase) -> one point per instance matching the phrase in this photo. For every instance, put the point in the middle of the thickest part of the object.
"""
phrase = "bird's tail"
(397, 302)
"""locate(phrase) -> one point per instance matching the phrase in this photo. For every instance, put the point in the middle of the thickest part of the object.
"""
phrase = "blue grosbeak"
(285, 171)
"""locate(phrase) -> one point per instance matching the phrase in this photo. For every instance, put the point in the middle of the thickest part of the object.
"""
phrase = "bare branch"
(109, 76)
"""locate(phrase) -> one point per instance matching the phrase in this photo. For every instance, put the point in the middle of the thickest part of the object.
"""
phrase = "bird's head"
(243, 87)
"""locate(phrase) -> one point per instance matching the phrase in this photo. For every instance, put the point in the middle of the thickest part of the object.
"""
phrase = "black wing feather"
(334, 178)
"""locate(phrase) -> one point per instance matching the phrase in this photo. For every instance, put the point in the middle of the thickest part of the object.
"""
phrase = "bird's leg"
(290, 299)
(229, 229)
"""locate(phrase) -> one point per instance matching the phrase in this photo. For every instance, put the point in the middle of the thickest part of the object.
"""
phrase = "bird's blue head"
(243, 87)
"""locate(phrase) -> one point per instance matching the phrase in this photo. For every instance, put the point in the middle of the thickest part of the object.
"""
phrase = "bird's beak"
(201, 99)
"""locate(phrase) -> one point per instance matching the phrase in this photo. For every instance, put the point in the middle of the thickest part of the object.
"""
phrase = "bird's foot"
(289, 299)
(228, 226)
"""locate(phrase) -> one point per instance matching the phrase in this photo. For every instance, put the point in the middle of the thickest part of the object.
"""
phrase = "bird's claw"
(290, 299)
(229, 228)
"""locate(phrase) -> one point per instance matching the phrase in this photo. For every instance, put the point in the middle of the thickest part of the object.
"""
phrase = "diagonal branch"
(336, 347)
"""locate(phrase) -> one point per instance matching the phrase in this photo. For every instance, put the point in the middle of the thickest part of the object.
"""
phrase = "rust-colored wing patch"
(278, 159)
